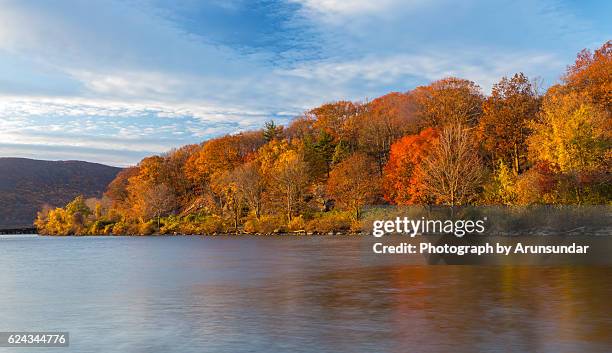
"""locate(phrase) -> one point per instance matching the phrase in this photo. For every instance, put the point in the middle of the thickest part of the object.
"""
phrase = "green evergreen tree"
(325, 149)
(270, 131)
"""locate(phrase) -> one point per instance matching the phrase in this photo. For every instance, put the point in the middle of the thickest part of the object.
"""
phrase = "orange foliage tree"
(591, 74)
(215, 156)
(334, 118)
(504, 126)
(402, 176)
(448, 101)
(384, 120)
(351, 184)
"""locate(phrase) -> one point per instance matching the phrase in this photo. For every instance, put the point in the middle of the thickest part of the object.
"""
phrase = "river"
(290, 294)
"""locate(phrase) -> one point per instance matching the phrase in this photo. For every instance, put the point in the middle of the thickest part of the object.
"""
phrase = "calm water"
(287, 294)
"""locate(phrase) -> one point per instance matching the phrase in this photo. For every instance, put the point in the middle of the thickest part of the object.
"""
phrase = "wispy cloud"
(145, 76)
(355, 7)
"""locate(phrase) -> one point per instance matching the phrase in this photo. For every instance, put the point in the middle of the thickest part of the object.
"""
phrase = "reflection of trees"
(520, 308)
(329, 299)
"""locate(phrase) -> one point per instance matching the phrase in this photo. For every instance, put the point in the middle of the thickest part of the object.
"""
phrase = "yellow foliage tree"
(571, 134)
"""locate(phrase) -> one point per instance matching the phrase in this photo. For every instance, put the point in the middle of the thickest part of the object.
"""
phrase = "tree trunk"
(236, 221)
(289, 204)
(516, 160)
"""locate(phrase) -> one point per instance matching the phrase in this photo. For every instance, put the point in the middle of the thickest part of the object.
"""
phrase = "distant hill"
(28, 184)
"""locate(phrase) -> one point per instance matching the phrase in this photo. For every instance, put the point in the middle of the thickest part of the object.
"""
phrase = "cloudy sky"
(113, 81)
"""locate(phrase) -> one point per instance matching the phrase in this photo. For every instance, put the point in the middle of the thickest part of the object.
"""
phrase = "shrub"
(170, 225)
(297, 223)
(122, 228)
(108, 229)
(209, 225)
(100, 227)
(330, 221)
(265, 224)
(147, 228)
(356, 226)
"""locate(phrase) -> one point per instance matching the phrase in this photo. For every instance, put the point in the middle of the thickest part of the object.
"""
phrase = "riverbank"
(69, 221)
(232, 234)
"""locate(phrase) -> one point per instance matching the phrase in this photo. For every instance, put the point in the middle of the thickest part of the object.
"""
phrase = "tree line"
(445, 143)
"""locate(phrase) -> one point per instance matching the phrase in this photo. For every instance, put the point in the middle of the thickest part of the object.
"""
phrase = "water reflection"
(292, 294)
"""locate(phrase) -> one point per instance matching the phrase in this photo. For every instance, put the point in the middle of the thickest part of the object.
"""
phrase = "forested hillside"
(445, 143)
(26, 185)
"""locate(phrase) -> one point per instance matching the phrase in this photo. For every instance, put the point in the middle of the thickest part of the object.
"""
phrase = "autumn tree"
(382, 122)
(152, 201)
(574, 135)
(571, 133)
(501, 188)
(538, 185)
(504, 126)
(226, 189)
(268, 155)
(215, 156)
(251, 183)
(117, 190)
(351, 183)
(403, 183)
(447, 101)
(452, 171)
(151, 169)
(291, 178)
(334, 118)
(69, 220)
(591, 75)
(173, 172)
(248, 142)
(54, 222)
(78, 206)
(301, 127)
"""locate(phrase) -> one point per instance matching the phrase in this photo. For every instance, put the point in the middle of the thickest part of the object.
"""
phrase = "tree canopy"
(443, 143)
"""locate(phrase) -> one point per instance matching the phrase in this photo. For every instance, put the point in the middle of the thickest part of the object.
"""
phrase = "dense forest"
(445, 143)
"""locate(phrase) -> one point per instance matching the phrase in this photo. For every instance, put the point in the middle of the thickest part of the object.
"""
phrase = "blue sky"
(114, 81)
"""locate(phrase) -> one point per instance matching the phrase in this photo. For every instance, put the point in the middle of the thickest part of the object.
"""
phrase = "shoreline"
(300, 234)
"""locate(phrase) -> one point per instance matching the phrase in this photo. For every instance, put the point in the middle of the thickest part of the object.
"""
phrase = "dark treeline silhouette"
(26, 184)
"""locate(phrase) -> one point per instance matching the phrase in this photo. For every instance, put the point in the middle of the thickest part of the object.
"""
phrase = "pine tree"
(270, 131)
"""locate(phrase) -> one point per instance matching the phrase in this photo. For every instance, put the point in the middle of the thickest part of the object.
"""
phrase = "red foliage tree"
(402, 179)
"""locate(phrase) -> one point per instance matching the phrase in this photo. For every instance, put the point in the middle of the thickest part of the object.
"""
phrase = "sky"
(114, 81)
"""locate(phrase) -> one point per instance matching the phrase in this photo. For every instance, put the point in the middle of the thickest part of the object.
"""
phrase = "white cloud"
(138, 128)
(122, 74)
(129, 84)
(350, 7)
(400, 70)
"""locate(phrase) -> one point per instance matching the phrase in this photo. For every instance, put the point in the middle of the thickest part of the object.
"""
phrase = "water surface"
(290, 294)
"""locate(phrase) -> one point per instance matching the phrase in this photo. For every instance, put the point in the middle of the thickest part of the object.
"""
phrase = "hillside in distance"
(27, 184)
